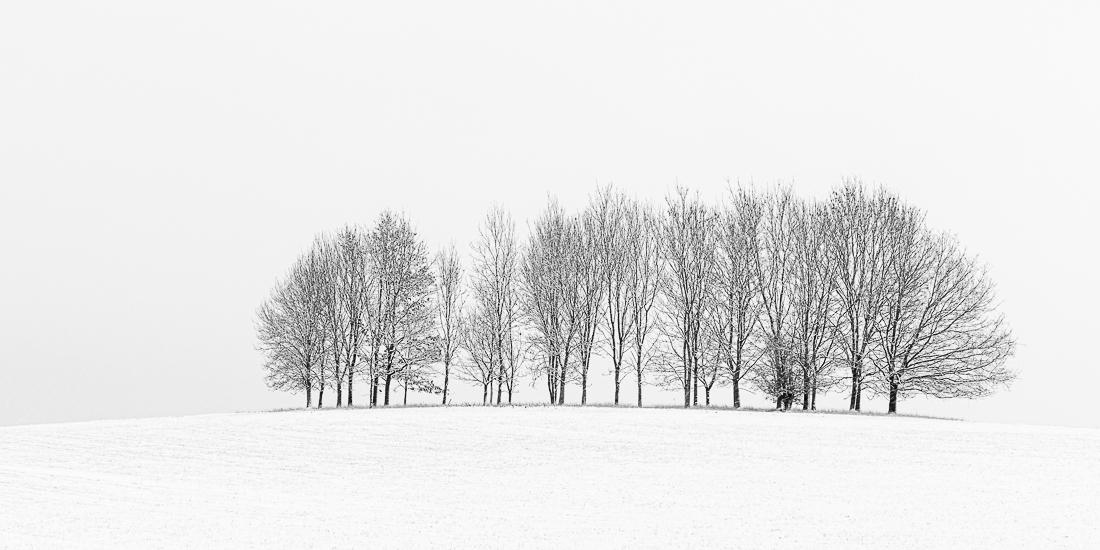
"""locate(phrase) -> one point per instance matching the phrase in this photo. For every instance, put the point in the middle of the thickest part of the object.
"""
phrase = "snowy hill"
(545, 477)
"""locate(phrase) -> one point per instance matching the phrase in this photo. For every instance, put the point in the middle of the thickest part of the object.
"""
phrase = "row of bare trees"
(792, 297)
(358, 305)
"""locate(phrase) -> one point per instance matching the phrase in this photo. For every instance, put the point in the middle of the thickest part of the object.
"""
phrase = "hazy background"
(162, 164)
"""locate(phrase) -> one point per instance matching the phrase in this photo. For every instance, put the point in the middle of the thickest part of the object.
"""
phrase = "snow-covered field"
(543, 477)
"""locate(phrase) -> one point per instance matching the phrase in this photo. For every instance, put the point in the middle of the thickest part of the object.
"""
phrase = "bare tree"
(345, 298)
(813, 328)
(551, 296)
(939, 332)
(643, 267)
(736, 308)
(589, 267)
(291, 331)
(610, 208)
(772, 253)
(689, 260)
(404, 316)
(354, 282)
(858, 227)
(331, 312)
(450, 298)
(494, 286)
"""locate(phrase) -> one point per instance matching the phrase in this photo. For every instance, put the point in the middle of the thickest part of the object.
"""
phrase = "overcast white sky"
(162, 164)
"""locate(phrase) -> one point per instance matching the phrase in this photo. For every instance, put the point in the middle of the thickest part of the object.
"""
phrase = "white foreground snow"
(547, 478)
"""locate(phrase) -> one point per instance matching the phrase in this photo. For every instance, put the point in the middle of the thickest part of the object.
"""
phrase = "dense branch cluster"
(788, 296)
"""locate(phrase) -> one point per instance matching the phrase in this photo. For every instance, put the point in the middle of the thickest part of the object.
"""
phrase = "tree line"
(763, 290)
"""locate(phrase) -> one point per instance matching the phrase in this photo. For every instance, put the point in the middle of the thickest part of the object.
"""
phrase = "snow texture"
(544, 477)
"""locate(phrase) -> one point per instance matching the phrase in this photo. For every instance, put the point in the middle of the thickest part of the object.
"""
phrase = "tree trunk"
(779, 402)
(687, 386)
(349, 387)
(406, 401)
(550, 386)
(813, 399)
(500, 384)
(687, 376)
(584, 385)
(561, 385)
(374, 391)
(859, 392)
(856, 383)
(551, 378)
(617, 384)
(893, 398)
(320, 396)
(446, 380)
(695, 383)
(708, 395)
(852, 397)
(309, 397)
(806, 388)
(484, 394)
(389, 377)
(737, 387)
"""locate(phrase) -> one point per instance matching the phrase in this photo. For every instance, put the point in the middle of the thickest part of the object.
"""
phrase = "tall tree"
(332, 314)
(345, 298)
(354, 282)
(772, 253)
(813, 300)
(404, 315)
(291, 330)
(493, 287)
(551, 295)
(643, 268)
(589, 267)
(736, 307)
(687, 281)
(610, 208)
(450, 298)
(859, 223)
